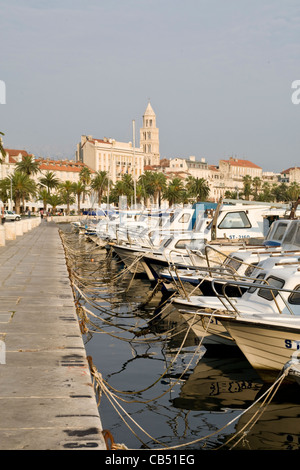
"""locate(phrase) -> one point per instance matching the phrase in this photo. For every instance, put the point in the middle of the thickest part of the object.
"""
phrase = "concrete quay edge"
(47, 399)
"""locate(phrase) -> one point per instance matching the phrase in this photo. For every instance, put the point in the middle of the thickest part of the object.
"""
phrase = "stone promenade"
(47, 400)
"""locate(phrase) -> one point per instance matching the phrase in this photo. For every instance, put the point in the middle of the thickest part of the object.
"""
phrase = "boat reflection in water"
(217, 385)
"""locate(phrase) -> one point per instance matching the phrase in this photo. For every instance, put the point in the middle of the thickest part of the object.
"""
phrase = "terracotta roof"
(289, 169)
(61, 165)
(243, 163)
(15, 152)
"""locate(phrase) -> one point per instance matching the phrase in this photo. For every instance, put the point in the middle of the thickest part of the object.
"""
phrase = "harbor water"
(158, 387)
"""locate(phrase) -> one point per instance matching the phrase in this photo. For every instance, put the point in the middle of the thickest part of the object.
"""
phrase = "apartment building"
(116, 158)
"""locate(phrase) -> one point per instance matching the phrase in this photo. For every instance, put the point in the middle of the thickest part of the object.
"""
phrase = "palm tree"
(66, 192)
(280, 192)
(43, 196)
(85, 178)
(123, 187)
(174, 192)
(4, 190)
(78, 189)
(22, 187)
(54, 200)
(50, 180)
(198, 187)
(100, 184)
(256, 185)
(247, 182)
(293, 191)
(2, 151)
(145, 180)
(158, 184)
(28, 165)
(140, 193)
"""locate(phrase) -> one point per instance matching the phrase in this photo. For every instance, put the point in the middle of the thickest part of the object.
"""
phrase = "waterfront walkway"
(47, 399)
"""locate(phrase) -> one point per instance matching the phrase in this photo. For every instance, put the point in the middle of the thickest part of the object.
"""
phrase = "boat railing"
(262, 284)
(228, 257)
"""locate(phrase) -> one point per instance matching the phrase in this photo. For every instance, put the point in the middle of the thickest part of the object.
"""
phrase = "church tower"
(149, 137)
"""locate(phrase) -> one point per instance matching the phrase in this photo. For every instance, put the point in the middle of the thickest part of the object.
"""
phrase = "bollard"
(24, 225)
(10, 230)
(2, 235)
(19, 228)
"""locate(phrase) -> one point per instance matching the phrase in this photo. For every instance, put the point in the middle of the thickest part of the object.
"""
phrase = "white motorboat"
(204, 313)
(237, 265)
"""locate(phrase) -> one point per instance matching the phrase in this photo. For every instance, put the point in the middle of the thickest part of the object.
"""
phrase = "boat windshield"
(269, 294)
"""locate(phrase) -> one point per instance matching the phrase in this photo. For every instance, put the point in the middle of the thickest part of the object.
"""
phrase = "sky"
(218, 74)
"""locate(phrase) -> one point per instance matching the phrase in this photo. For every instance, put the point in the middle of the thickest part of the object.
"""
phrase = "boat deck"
(47, 400)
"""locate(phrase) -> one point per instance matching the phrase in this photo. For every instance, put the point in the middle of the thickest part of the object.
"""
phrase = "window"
(184, 218)
(280, 231)
(234, 263)
(258, 280)
(250, 269)
(295, 297)
(269, 294)
(235, 220)
(182, 243)
(290, 233)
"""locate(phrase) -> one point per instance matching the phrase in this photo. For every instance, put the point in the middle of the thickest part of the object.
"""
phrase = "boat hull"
(268, 347)
(208, 329)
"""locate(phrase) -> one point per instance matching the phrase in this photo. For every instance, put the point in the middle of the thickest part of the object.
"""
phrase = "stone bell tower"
(149, 137)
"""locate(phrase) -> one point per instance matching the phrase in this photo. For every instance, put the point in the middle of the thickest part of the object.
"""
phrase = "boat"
(237, 265)
(246, 232)
(203, 313)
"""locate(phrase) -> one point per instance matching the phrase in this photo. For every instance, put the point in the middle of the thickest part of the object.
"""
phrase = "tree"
(54, 200)
(293, 191)
(50, 180)
(85, 178)
(279, 192)
(198, 188)
(28, 165)
(66, 193)
(158, 184)
(78, 190)
(43, 196)
(100, 184)
(22, 187)
(265, 194)
(145, 180)
(256, 185)
(174, 192)
(2, 151)
(247, 182)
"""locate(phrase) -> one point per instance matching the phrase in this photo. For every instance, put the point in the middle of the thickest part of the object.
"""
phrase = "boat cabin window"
(279, 232)
(167, 242)
(183, 243)
(250, 269)
(258, 280)
(294, 298)
(234, 263)
(184, 218)
(269, 294)
(235, 220)
(290, 234)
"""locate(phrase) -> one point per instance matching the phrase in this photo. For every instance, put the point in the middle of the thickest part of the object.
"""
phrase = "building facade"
(116, 158)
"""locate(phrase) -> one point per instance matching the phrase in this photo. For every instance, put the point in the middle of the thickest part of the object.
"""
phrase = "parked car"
(9, 215)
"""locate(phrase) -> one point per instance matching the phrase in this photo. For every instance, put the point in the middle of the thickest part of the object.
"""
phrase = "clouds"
(218, 74)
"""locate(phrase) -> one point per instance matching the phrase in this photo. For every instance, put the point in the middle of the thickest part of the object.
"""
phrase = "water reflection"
(176, 391)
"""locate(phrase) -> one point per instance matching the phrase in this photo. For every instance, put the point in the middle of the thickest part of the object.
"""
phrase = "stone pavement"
(47, 400)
